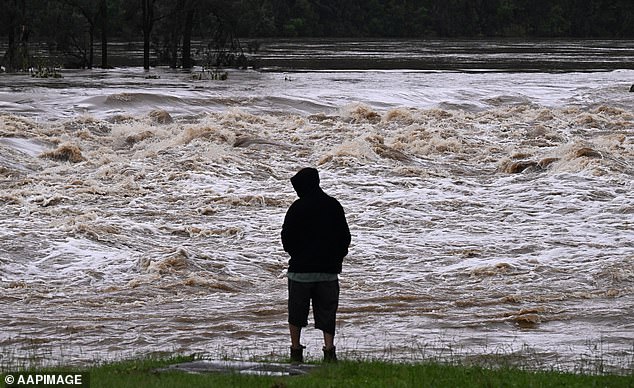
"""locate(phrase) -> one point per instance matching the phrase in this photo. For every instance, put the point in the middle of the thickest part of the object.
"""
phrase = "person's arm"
(344, 232)
(289, 231)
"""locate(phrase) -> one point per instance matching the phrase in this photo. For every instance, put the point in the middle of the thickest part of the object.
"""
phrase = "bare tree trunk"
(91, 54)
(23, 49)
(10, 54)
(148, 21)
(176, 32)
(104, 34)
(173, 50)
(187, 38)
(146, 50)
(18, 50)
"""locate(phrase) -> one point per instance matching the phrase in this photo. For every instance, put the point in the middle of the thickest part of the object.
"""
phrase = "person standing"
(315, 234)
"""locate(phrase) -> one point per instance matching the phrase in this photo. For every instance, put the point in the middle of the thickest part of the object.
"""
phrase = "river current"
(490, 209)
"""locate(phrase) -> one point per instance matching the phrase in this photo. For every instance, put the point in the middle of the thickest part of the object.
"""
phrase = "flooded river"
(490, 206)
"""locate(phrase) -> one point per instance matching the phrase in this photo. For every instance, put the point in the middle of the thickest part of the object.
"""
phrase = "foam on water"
(484, 216)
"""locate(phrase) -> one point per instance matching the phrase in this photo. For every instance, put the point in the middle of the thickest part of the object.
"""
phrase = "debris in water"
(66, 153)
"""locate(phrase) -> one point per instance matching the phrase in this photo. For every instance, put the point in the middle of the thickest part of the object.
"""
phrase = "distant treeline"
(71, 27)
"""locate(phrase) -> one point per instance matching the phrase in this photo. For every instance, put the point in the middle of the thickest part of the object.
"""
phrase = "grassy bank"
(142, 373)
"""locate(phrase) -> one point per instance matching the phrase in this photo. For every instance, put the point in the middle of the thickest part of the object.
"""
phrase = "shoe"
(330, 355)
(297, 355)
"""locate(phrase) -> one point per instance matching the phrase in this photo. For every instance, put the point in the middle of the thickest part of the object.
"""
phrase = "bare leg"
(329, 341)
(296, 333)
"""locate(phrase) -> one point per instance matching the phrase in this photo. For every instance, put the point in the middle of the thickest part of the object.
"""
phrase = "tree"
(174, 31)
(103, 15)
(147, 23)
(176, 23)
(90, 10)
(16, 26)
(180, 21)
(220, 20)
(190, 10)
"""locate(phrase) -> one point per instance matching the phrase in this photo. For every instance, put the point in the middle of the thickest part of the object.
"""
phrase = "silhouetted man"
(316, 236)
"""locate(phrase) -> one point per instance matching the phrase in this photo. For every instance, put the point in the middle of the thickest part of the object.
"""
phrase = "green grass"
(142, 373)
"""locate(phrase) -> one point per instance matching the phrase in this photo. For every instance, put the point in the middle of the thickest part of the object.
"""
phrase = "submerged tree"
(190, 11)
(176, 32)
(147, 23)
(15, 22)
(224, 47)
(103, 15)
(214, 21)
(90, 10)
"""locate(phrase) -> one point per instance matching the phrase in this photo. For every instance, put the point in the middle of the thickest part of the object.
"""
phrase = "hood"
(306, 181)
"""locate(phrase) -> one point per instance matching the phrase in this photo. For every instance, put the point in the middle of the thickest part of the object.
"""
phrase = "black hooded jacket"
(315, 232)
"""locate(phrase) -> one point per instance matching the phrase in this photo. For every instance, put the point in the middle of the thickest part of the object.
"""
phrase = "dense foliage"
(445, 18)
(72, 26)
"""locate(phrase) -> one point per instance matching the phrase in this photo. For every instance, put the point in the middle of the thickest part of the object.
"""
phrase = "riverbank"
(347, 373)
